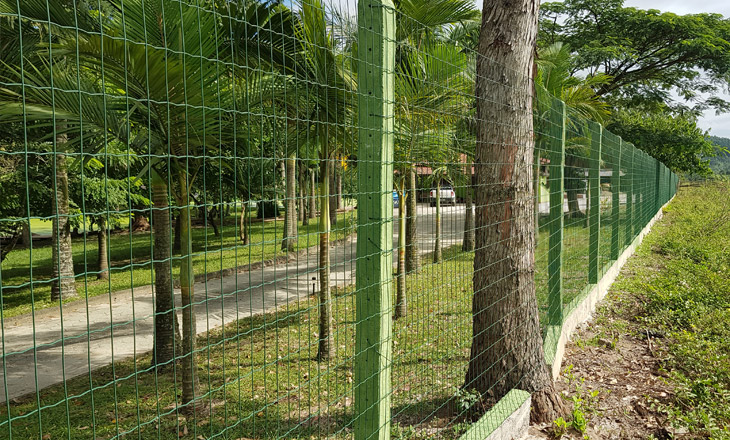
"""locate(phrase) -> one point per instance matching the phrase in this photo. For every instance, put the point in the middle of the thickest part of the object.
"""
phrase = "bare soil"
(623, 364)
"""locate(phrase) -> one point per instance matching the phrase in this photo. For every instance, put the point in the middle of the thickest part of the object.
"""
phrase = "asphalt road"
(56, 345)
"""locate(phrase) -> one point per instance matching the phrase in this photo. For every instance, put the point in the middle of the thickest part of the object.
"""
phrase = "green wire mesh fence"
(253, 219)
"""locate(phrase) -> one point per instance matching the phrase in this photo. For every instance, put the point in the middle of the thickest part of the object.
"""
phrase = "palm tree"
(419, 23)
(554, 79)
(329, 93)
(169, 80)
(430, 91)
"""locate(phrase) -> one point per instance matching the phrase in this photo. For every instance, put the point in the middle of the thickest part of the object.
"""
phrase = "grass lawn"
(26, 273)
(258, 376)
(260, 379)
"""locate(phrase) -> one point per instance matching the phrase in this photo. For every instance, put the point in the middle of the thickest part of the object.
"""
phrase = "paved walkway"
(44, 351)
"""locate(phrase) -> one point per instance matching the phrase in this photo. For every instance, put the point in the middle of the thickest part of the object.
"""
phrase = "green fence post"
(615, 199)
(657, 167)
(594, 204)
(636, 172)
(556, 146)
(629, 178)
(374, 268)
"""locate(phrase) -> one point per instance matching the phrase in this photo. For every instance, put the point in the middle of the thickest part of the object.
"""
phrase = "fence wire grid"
(199, 239)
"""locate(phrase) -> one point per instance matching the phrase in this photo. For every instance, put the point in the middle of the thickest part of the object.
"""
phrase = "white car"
(447, 194)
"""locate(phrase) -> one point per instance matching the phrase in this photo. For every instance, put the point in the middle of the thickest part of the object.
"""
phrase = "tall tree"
(329, 101)
(504, 308)
(419, 23)
(645, 53)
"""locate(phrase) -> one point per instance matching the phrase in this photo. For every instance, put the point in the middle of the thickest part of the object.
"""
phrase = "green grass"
(260, 378)
(678, 286)
(26, 274)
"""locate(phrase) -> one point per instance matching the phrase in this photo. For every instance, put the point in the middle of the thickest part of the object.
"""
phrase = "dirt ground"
(614, 375)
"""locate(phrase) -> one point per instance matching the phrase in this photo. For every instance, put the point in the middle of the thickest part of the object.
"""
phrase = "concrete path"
(50, 347)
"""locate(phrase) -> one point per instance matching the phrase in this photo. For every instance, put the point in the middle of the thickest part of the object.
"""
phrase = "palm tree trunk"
(412, 262)
(64, 284)
(312, 211)
(437, 257)
(25, 236)
(212, 214)
(103, 258)
(301, 201)
(176, 240)
(338, 186)
(189, 364)
(401, 307)
(538, 192)
(166, 326)
(326, 347)
(243, 223)
(332, 195)
(290, 221)
(468, 243)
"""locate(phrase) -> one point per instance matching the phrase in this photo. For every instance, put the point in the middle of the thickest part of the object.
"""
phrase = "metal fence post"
(374, 269)
(629, 194)
(556, 217)
(616, 200)
(638, 187)
(594, 215)
(657, 167)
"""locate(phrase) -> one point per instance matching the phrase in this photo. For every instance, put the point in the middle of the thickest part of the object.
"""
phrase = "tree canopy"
(673, 139)
(646, 53)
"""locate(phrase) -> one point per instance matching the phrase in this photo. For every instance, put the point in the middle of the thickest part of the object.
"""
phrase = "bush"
(267, 209)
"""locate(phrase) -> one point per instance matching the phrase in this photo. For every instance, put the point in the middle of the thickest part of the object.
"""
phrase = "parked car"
(447, 193)
(396, 202)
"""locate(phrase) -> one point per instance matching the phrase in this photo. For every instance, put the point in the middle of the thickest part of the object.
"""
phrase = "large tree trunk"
(333, 195)
(437, 257)
(504, 308)
(167, 333)
(243, 223)
(401, 306)
(290, 220)
(103, 253)
(326, 349)
(63, 285)
(189, 364)
(468, 244)
(412, 261)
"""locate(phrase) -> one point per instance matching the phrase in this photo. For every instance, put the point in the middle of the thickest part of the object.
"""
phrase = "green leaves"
(645, 53)
(674, 140)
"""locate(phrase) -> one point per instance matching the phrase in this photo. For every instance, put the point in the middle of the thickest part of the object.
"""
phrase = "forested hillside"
(720, 164)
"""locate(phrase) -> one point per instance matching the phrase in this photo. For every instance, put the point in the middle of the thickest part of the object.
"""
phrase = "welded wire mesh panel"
(435, 132)
(547, 127)
(185, 172)
(576, 236)
(251, 219)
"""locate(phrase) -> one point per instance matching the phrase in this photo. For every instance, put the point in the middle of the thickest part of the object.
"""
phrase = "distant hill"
(720, 164)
